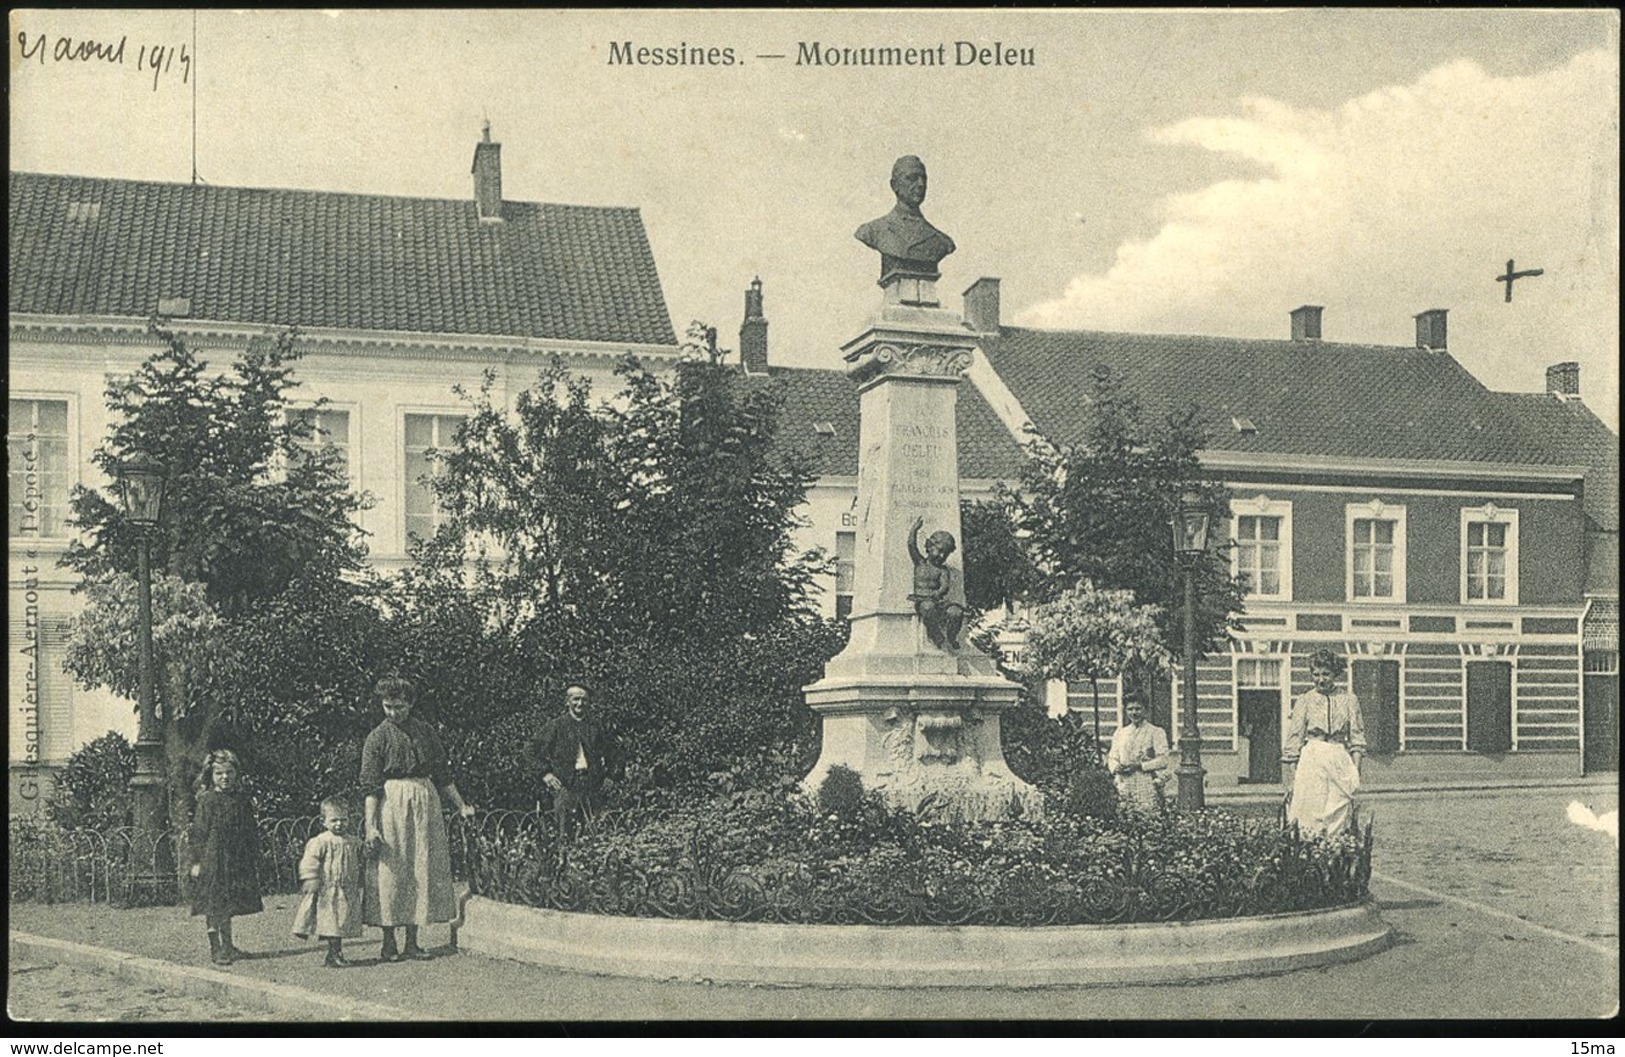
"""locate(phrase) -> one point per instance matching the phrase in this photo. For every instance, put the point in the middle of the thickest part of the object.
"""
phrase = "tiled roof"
(815, 397)
(84, 246)
(1305, 398)
(1574, 435)
(1601, 631)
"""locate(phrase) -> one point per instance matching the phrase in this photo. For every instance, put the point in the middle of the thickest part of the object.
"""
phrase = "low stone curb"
(255, 994)
(921, 956)
(1272, 794)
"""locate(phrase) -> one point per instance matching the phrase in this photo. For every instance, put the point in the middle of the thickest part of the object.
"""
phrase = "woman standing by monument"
(1137, 757)
(403, 775)
(1325, 739)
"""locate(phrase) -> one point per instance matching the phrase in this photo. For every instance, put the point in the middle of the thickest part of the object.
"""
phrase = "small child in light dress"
(330, 878)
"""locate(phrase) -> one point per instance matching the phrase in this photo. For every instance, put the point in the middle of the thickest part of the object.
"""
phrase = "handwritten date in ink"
(160, 60)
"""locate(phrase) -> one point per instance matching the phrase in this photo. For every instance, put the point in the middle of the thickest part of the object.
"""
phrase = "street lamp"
(1190, 526)
(141, 495)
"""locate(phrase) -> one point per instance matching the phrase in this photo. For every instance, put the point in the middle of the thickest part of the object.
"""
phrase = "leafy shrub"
(841, 792)
(33, 847)
(1091, 794)
(776, 855)
(1047, 752)
(93, 789)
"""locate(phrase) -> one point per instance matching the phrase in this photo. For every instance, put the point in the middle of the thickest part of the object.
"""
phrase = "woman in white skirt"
(403, 775)
(1325, 739)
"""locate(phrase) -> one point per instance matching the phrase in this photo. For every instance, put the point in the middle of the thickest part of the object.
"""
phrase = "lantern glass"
(1190, 525)
(141, 489)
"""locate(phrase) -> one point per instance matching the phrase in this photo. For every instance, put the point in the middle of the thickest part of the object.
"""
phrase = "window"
(1258, 674)
(1262, 556)
(1489, 555)
(425, 434)
(1376, 561)
(37, 468)
(329, 427)
(846, 550)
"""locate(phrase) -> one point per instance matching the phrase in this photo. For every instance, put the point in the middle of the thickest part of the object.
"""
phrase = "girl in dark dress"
(224, 848)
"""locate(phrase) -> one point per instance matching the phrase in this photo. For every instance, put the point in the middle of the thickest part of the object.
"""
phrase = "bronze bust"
(909, 247)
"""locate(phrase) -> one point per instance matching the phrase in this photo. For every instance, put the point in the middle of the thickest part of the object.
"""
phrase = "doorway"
(1601, 715)
(1489, 706)
(1376, 685)
(1258, 716)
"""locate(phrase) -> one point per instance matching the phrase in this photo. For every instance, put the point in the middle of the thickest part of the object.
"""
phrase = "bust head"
(908, 181)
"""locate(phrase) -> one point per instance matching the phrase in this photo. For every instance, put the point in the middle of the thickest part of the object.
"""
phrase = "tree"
(641, 544)
(1090, 633)
(254, 528)
(998, 567)
(1098, 512)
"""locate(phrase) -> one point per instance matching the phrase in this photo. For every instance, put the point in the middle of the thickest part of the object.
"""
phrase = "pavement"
(1501, 909)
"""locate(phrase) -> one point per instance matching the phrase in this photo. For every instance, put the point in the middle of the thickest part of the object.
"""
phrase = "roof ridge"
(1282, 343)
(310, 191)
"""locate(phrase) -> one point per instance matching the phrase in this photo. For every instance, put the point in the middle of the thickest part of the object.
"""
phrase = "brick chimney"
(753, 331)
(1563, 380)
(1306, 323)
(982, 305)
(1430, 329)
(487, 172)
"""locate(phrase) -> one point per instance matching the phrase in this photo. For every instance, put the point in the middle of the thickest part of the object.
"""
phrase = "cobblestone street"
(1502, 909)
(45, 992)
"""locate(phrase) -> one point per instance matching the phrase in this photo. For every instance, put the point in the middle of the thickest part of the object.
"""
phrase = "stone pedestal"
(917, 721)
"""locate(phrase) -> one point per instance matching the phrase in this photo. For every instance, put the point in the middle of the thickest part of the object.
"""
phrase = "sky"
(1162, 171)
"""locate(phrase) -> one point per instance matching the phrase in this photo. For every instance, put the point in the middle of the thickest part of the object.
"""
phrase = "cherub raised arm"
(933, 586)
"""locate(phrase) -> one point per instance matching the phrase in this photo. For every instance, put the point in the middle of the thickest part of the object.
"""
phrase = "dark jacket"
(554, 750)
(225, 842)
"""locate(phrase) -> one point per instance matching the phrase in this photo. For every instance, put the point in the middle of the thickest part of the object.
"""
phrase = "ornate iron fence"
(515, 858)
(123, 867)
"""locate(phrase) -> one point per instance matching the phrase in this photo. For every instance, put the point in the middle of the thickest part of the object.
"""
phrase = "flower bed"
(775, 858)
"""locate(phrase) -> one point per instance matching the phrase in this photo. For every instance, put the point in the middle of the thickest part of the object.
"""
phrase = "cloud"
(1406, 198)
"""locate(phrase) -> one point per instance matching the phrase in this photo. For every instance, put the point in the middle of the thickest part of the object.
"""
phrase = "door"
(1489, 706)
(1376, 684)
(1601, 710)
(1261, 723)
(1258, 714)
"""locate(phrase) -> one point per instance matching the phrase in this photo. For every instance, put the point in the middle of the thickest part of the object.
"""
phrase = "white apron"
(1323, 788)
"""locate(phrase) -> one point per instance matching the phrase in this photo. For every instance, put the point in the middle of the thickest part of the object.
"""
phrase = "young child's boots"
(216, 954)
(228, 953)
(335, 955)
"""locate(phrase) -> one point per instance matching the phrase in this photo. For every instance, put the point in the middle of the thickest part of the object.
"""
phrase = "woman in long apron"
(403, 776)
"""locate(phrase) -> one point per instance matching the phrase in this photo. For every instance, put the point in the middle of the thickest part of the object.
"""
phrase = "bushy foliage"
(664, 515)
(1054, 754)
(256, 534)
(1091, 793)
(779, 856)
(93, 788)
(1089, 634)
(1098, 512)
(998, 567)
(841, 792)
(641, 546)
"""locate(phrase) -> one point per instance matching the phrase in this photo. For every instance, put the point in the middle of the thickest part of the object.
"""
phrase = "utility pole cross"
(1511, 276)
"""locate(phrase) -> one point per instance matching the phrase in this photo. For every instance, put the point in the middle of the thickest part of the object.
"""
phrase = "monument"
(910, 704)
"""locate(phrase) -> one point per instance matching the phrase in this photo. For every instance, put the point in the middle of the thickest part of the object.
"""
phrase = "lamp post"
(1190, 526)
(141, 495)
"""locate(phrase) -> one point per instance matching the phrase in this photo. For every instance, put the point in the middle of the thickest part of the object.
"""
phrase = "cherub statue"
(933, 587)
